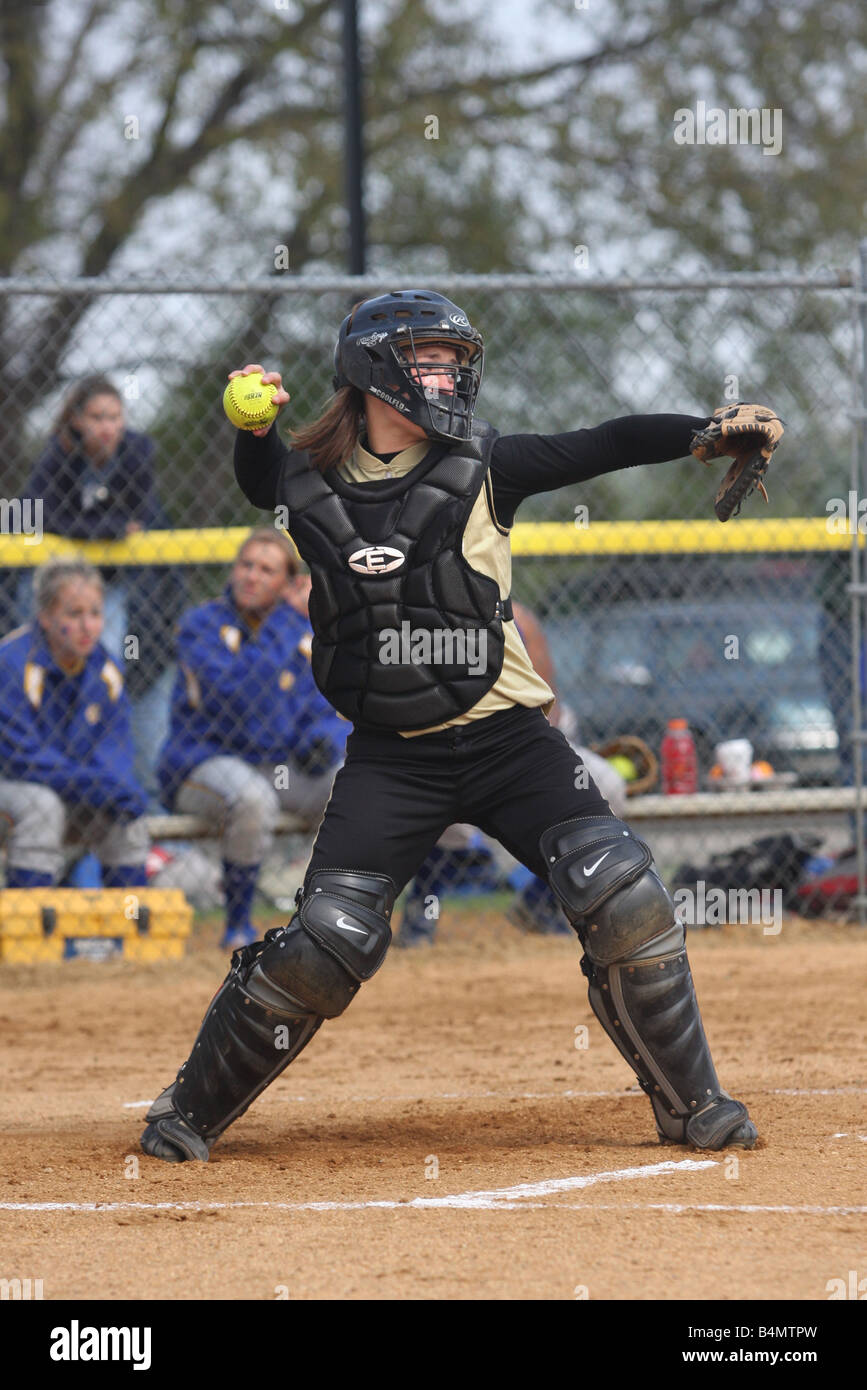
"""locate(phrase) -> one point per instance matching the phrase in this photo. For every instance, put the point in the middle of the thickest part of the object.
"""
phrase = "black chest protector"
(406, 634)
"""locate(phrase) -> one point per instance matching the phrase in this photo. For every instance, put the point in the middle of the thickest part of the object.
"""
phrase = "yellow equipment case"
(44, 924)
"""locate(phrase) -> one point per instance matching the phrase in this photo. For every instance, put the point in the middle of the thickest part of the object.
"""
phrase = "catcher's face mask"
(381, 349)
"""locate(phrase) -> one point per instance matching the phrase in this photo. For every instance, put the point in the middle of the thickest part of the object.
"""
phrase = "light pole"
(353, 129)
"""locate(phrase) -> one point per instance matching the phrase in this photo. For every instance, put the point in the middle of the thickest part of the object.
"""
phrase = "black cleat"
(153, 1143)
(169, 1137)
(724, 1124)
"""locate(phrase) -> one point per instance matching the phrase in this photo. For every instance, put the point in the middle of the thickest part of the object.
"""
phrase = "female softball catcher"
(401, 503)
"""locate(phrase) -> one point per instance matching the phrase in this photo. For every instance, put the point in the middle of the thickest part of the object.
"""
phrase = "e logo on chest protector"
(376, 559)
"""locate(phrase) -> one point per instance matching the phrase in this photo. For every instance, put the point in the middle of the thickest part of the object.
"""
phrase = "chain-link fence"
(637, 605)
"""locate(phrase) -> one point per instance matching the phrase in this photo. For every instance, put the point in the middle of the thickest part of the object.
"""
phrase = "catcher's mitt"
(634, 748)
(749, 434)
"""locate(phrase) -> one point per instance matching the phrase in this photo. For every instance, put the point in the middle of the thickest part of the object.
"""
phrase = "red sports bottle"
(679, 762)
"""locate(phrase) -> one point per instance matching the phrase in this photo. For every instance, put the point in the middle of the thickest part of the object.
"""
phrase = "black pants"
(511, 774)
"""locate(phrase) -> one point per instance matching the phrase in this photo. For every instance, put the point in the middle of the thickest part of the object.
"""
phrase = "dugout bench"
(713, 807)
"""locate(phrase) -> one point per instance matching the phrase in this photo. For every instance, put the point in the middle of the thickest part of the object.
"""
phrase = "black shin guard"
(249, 1035)
(640, 983)
(647, 1006)
(276, 995)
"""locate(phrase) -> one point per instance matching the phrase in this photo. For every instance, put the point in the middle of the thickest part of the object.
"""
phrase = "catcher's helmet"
(376, 351)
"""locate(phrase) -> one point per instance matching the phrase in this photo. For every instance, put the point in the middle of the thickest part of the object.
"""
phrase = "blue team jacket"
(78, 500)
(247, 693)
(67, 732)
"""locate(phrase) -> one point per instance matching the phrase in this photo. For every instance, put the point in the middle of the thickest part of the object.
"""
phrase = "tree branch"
(613, 52)
(19, 50)
(98, 10)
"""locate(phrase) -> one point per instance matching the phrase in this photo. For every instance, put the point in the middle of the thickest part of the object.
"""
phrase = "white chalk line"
(486, 1199)
(551, 1185)
(744, 1207)
(528, 1095)
(846, 1135)
(823, 1091)
(675, 1208)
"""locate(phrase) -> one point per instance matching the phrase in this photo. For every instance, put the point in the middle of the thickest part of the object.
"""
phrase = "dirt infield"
(445, 1138)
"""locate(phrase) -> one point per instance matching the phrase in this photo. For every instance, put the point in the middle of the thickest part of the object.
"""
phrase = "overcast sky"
(561, 30)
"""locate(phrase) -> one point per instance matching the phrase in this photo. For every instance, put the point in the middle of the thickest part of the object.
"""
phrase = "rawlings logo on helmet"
(460, 319)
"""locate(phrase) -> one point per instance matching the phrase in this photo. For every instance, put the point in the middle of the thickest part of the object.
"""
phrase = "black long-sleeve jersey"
(521, 464)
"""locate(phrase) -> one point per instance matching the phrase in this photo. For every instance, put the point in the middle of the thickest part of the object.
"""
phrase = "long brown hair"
(75, 400)
(331, 438)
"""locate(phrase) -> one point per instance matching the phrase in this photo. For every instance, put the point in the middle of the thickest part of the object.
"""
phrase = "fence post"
(858, 565)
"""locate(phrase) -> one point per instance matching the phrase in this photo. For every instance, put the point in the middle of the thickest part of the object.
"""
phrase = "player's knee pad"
(604, 879)
(640, 983)
(337, 940)
(277, 994)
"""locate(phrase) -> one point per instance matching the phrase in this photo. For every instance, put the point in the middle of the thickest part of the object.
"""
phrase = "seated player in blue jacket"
(250, 733)
(97, 480)
(66, 750)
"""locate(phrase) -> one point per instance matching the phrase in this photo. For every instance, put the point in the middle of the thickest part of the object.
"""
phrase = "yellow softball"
(247, 401)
